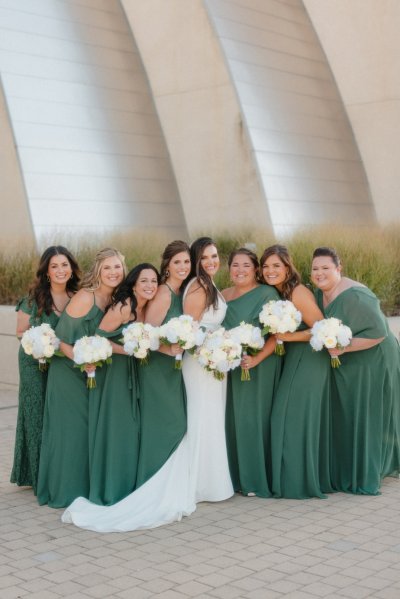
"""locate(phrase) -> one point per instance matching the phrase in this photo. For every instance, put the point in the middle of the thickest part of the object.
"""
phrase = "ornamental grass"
(369, 255)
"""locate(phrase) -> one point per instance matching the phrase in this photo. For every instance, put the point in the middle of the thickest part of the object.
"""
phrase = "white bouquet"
(41, 343)
(251, 340)
(139, 338)
(92, 350)
(219, 353)
(279, 316)
(184, 331)
(330, 333)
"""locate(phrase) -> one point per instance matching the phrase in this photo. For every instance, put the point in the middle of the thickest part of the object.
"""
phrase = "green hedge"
(369, 255)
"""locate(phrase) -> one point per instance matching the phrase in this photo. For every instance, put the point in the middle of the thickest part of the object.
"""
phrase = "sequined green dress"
(31, 396)
(249, 404)
(162, 401)
(70, 419)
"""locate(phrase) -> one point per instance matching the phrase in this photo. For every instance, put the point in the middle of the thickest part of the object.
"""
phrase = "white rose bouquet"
(184, 331)
(219, 353)
(279, 316)
(251, 340)
(330, 333)
(139, 338)
(41, 343)
(92, 350)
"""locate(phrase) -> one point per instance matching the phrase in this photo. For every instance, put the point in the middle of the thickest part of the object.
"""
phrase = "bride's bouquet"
(279, 316)
(139, 338)
(41, 343)
(330, 333)
(219, 353)
(251, 341)
(184, 331)
(92, 350)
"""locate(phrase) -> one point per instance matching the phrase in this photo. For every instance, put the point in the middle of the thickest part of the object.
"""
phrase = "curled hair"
(293, 277)
(40, 290)
(172, 249)
(329, 252)
(91, 280)
(197, 271)
(125, 293)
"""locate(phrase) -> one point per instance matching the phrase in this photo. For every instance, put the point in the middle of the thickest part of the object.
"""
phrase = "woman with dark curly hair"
(300, 425)
(57, 279)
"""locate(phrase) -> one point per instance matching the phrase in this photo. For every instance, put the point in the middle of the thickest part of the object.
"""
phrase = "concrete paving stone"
(356, 592)
(375, 582)
(268, 576)
(126, 582)
(14, 592)
(90, 579)
(8, 581)
(157, 586)
(387, 594)
(288, 567)
(319, 589)
(36, 585)
(101, 590)
(225, 592)
(283, 586)
(263, 594)
(65, 589)
(49, 556)
(248, 583)
(182, 576)
(390, 557)
(44, 595)
(86, 568)
(170, 595)
(145, 574)
(139, 594)
(202, 569)
(214, 580)
(322, 570)
(169, 567)
(192, 588)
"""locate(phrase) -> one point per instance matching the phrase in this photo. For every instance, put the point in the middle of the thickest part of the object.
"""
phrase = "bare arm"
(195, 302)
(357, 344)
(156, 312)
(305, 302)
(22, 323)
(112, 320)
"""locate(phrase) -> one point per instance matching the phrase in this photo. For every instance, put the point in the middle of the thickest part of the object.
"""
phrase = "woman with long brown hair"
(57, 279)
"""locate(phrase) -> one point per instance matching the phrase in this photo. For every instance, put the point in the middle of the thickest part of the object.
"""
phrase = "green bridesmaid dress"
(365, 397)
(249, 404)
(69, 416)
(300, 424)
(162, 402)
(114, 459)
(31, 396)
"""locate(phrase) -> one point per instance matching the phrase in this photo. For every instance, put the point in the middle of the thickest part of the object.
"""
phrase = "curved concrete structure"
(197, 116)
(88, 139)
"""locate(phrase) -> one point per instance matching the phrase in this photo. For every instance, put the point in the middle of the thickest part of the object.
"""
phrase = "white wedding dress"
(196, 471)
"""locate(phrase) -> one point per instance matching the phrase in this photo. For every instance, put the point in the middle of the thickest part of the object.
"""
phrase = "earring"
(167, 273)
(48, 278)
(72, 276)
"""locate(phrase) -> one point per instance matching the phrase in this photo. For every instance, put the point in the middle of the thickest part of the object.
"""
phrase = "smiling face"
(209, 260)
(179, 267)
(111, 272)
(274, 271)
(146, 286)
(242, 271)
(59, 270)
(324, 273)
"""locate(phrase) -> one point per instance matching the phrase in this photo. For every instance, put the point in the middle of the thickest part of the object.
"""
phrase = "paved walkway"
(345, 546)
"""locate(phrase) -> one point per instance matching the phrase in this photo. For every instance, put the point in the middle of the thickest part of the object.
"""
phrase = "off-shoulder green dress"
(31, 396)
(249, 403)
(114, 459)
(69, 416)
(300, 424)
(162, 402)
(365, 397)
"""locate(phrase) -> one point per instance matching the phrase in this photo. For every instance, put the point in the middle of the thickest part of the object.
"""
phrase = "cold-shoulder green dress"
(162, 402)
(115, 453)
(69, 416)
(249, 404)
(31, 396)
(300, 424)
(365, 397)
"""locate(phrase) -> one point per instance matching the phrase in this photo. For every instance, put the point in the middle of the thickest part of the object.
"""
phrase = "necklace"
(57, 309)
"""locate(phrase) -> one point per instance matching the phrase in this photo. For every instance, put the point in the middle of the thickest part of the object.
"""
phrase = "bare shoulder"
(163, 296)
(301, 293)
(227, 293)
(80, 303)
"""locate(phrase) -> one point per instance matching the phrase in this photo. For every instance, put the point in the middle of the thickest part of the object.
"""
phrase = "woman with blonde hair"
(69, 418)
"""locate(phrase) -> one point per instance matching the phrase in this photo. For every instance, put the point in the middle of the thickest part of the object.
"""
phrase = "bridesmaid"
(162, 398)
(57, 279)
(69, 420)
(116, 448)
(300, 414)
(366, 387)
(249, 404)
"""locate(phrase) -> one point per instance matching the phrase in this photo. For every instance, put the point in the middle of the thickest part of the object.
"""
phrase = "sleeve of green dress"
(66, 329)
(115, 336)
(24, 306)
(362, 313)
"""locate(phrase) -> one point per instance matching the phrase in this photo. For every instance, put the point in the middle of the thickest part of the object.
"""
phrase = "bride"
(198, 469)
